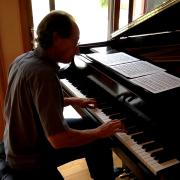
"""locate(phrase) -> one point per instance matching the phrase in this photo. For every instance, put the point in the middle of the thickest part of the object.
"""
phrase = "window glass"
(91, 17)
(123, 16)
(39, 8)
(138, 9)
(152, 4)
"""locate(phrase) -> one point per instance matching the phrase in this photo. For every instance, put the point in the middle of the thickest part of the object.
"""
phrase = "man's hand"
(110, 128)
(86, 102)
(73, 137)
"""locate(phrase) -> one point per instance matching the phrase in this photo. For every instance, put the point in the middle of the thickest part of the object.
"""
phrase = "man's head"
(59, 34)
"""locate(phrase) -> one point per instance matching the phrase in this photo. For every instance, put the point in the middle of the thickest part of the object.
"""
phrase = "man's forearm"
(70, 101)
(73, 138)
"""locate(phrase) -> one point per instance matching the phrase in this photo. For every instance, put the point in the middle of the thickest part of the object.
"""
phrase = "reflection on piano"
(150, 148)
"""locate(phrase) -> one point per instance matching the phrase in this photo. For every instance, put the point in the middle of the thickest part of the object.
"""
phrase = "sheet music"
(112, 59)
(158, 82)
(136, 69)
(100, 49)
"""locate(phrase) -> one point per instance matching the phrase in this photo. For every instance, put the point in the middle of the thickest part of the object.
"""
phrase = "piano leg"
(131, 165)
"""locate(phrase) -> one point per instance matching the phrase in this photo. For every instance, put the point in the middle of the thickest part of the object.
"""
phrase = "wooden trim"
(26, 18)
(145, 6)
(51, 5)
(3, 85)
(130, 14)
(116, 14)
(113, 16)
(110, 18)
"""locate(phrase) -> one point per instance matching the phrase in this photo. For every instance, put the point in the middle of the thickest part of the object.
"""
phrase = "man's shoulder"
(32, 63)
(23, 56)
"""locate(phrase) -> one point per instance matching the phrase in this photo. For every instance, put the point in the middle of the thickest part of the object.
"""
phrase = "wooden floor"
(78, 169)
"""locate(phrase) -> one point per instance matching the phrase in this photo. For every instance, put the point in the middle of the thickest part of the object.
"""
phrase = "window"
(39, 12)
(97, 19)
(130, 10)
(152, 4)
(91, 17)
(124, 11)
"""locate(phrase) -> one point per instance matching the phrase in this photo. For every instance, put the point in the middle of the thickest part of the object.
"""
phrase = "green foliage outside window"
(104, 3)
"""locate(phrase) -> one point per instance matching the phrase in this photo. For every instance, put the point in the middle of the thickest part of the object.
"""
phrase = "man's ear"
(56, 36)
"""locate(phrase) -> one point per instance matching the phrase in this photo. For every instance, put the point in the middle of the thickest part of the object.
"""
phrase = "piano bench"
(7, 174)
(4, 169)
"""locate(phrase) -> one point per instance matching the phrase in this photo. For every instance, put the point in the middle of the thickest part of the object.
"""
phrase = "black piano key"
(137, 136)
(130, 123)
(162, 156)
(102, 105)
(151, 146)
(132, 129)
(156, 154)
(110, 110)
(142, 138)
(87, 88)
(117, 116)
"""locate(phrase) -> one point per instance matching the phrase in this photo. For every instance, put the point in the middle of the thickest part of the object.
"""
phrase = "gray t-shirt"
(33, 109)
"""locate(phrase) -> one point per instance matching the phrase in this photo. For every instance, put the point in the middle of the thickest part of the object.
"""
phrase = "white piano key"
(144, 156)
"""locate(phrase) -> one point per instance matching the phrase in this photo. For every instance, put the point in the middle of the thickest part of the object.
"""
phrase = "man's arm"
(81, 102)
(73, 137)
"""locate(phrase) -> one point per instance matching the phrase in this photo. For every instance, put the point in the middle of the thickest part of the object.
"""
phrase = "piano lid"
(161, 19)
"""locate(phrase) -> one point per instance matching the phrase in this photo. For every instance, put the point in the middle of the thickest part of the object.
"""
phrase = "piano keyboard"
(144, 150)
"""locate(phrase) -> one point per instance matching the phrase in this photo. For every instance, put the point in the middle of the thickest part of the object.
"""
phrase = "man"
(37, 138)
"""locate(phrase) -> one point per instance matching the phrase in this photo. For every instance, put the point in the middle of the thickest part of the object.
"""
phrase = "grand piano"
(150, 148)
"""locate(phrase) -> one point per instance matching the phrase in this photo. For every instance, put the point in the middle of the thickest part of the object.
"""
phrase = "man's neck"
(47, 54)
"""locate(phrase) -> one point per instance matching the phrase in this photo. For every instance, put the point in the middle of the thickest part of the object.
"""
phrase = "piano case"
(150, 149)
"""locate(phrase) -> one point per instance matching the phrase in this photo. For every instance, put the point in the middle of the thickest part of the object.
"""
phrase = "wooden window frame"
(51, 5)
(26, 18)
(3, 86)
